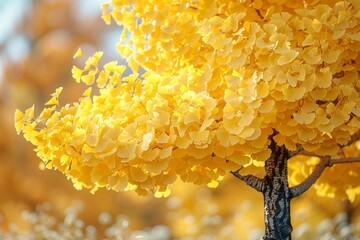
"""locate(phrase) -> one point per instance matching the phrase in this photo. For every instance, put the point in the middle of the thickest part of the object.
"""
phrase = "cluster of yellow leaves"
(285, 65)
(221, 76)
(139, 132)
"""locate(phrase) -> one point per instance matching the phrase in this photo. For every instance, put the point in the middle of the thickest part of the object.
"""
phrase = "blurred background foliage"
(37, 41)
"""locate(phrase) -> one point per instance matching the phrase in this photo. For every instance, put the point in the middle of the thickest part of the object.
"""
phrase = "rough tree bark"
(277, 196)
(276, 191)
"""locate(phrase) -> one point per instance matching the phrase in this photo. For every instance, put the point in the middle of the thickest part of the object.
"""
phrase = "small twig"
(250, 180)
(300, 151)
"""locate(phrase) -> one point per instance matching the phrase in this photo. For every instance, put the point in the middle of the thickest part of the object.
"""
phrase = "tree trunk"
(275, 188)
(277, 196)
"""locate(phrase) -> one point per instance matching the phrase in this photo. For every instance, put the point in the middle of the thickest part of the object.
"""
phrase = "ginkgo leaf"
(102, 79)
(98, 172)
(106, 16)
(92, 140)
(77, 73)
(287, 57)
(294, 94)
(87, 92)
(53, 101)
(213, 184)
(121, 183)
(88, 79)
(150, 155)
(192, 116)
(157, 167)
(165, 153)
(199, 136)
(78, 53)
(182, 142)
(304, 118)
(239, 158)
(163, 138)
(137, 174)
(159, 194)
(127, 152)
(19, 120)
(147, 139)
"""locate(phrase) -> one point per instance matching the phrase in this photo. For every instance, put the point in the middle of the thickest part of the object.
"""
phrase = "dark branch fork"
(325, 161)
(258, 183)
(276, 191)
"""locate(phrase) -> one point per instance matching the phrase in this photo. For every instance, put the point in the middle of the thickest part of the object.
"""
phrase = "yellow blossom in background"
(220, 77)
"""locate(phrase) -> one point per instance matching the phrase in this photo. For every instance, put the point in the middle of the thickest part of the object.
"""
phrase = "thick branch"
(250, 180)
(319, 169)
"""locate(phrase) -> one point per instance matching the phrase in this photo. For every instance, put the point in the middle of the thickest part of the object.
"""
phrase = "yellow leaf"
(223, 136)
(307, 136)
(159, 194)
(199, 137)
(182, 142)
(76, 73)
(192, 116)
(64, 159)
(46, 113)
(294, 94)
(287, 57)
(163, 138)
(78, 185)
(352, 193)
(102, 79)
(157, 167)
(137, 174)
(19, 120)
(267, 106)
(19, 115)
(165, 153)
(88, 79)
(147, 139)
(87, 92)
(78, 53)
(317, 25)
(239, 158)
(304, 118)
(98, 172)
(150, 155)
(102, 145)
(213, 184)
(208, 9)
(52, 101)
(127, 152)
(92, 140)
(29, 114)
(121, 183)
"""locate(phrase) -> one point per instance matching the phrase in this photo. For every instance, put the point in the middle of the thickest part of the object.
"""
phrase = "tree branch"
(250, 180)
(300, 151)
(319, 169)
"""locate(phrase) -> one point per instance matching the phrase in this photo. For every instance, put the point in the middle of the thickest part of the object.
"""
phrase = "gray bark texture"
(277, 196)
(276, 191)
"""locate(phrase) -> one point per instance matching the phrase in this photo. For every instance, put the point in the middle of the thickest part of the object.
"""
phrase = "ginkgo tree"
(228, 86)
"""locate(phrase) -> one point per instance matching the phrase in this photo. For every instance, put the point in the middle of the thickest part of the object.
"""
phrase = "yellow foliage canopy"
(220, 78)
